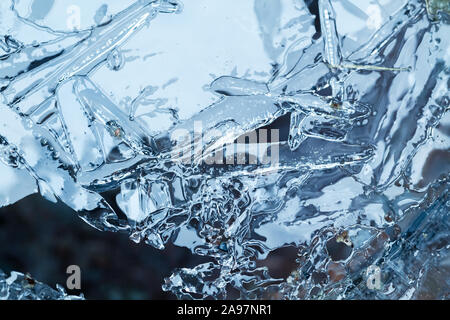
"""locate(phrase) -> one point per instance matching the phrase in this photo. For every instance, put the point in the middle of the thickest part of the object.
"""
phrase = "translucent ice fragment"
(19, 286)
(296, 136)
(231, 86)
(332, 52)
(324, 128)
(79, 128)
(116, 121)
(140, 198)
(115, 60)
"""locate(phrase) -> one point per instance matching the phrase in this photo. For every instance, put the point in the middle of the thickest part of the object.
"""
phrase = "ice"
(332, 48)
(161, 120)
(12, 176)
(19, 286)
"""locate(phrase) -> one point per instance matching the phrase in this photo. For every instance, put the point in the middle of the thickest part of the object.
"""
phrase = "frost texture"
(89, 117)
(18, 286)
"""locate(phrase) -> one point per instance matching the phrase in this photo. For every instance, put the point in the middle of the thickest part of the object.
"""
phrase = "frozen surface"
(101, 109)
(19, 286)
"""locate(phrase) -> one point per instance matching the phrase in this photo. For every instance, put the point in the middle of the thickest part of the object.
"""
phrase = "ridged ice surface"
(355, 180)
